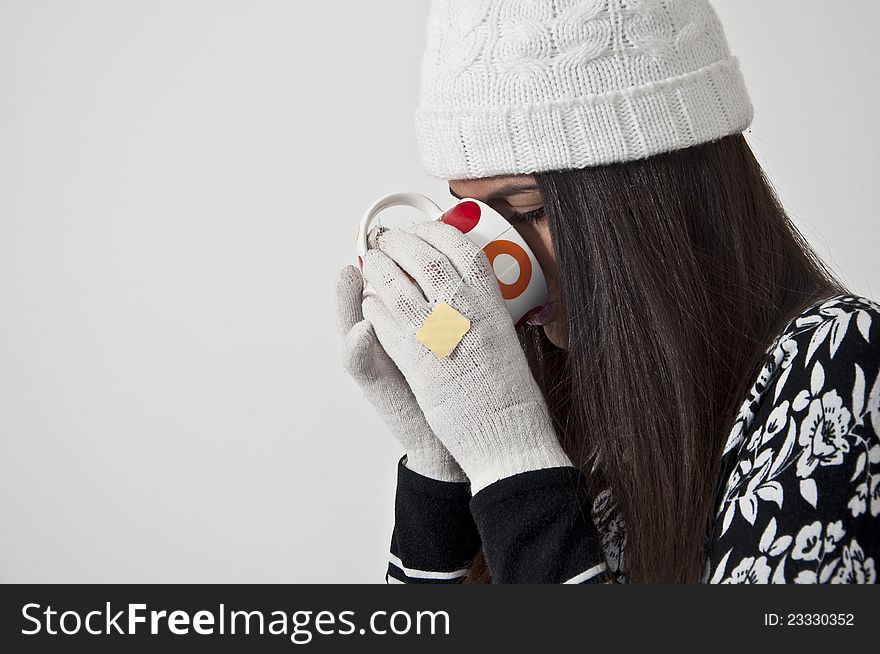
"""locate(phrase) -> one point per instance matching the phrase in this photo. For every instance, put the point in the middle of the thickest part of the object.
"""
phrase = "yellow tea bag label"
(442, 330)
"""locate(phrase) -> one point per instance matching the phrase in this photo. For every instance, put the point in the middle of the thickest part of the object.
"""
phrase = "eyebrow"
(508, 189)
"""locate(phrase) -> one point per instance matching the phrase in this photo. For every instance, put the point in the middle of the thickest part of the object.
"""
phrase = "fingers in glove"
(470, 262)
(356, 355)
(374, 234)
(385, 325)
(431, 269)
(349, 293)
(398, 293)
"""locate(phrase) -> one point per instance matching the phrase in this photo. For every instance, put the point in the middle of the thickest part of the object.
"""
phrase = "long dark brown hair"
(676, 272)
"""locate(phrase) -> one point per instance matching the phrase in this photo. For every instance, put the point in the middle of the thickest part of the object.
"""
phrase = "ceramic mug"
(517, 271)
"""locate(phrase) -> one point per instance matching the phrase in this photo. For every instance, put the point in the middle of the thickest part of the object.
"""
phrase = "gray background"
(181, 181)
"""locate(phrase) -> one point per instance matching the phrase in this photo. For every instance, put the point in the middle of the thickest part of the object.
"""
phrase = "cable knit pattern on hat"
(523, 86)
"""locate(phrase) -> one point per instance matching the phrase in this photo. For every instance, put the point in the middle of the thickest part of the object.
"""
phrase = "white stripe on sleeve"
(586, 574)
(425, 574)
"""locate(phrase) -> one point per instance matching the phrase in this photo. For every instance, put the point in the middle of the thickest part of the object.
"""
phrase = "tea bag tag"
(442, 330)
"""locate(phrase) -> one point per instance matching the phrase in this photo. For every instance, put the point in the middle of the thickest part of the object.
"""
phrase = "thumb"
(356, 351)
(349, 296)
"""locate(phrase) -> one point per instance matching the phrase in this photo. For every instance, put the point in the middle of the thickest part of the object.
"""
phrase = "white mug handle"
(415, 200)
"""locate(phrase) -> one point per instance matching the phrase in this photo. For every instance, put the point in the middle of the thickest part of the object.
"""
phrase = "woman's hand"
(384, 386)
(481, 400)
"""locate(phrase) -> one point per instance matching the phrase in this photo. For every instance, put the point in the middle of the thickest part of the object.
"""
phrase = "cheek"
(538, 237)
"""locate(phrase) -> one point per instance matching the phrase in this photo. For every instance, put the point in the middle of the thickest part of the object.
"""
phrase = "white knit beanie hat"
(523, 86)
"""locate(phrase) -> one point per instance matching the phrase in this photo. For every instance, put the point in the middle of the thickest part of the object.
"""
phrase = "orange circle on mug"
(511, 291)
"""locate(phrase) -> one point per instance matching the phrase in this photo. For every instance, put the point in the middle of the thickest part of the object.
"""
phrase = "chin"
(556, 335)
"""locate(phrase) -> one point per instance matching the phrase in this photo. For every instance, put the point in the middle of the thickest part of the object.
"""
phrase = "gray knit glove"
(481, 400)
(384, 386)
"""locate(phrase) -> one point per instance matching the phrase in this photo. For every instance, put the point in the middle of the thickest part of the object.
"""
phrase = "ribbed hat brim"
(622, 125)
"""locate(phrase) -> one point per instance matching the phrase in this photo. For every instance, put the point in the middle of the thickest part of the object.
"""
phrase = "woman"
(700, 399)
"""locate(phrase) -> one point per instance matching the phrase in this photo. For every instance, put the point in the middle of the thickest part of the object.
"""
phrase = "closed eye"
(532, 216)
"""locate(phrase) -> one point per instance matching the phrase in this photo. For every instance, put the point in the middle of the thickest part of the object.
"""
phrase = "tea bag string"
(474, 258)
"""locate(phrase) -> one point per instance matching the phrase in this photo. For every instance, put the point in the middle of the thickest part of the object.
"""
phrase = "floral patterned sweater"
(801, 502)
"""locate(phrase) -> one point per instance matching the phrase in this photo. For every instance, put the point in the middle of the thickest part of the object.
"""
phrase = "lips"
(542, 315)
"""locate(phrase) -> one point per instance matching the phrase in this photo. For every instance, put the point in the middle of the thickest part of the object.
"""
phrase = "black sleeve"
(434, 536)
(536, 527)
(801, 501)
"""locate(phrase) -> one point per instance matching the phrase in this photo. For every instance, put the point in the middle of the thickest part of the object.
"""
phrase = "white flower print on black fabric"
(612, 534)
(814, 549)
(802, 496)
(750, 571)
(775, 371)
(823, 432)
(855, 567)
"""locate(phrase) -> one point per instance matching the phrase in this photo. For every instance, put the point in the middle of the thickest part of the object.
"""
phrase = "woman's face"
(512, 196)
